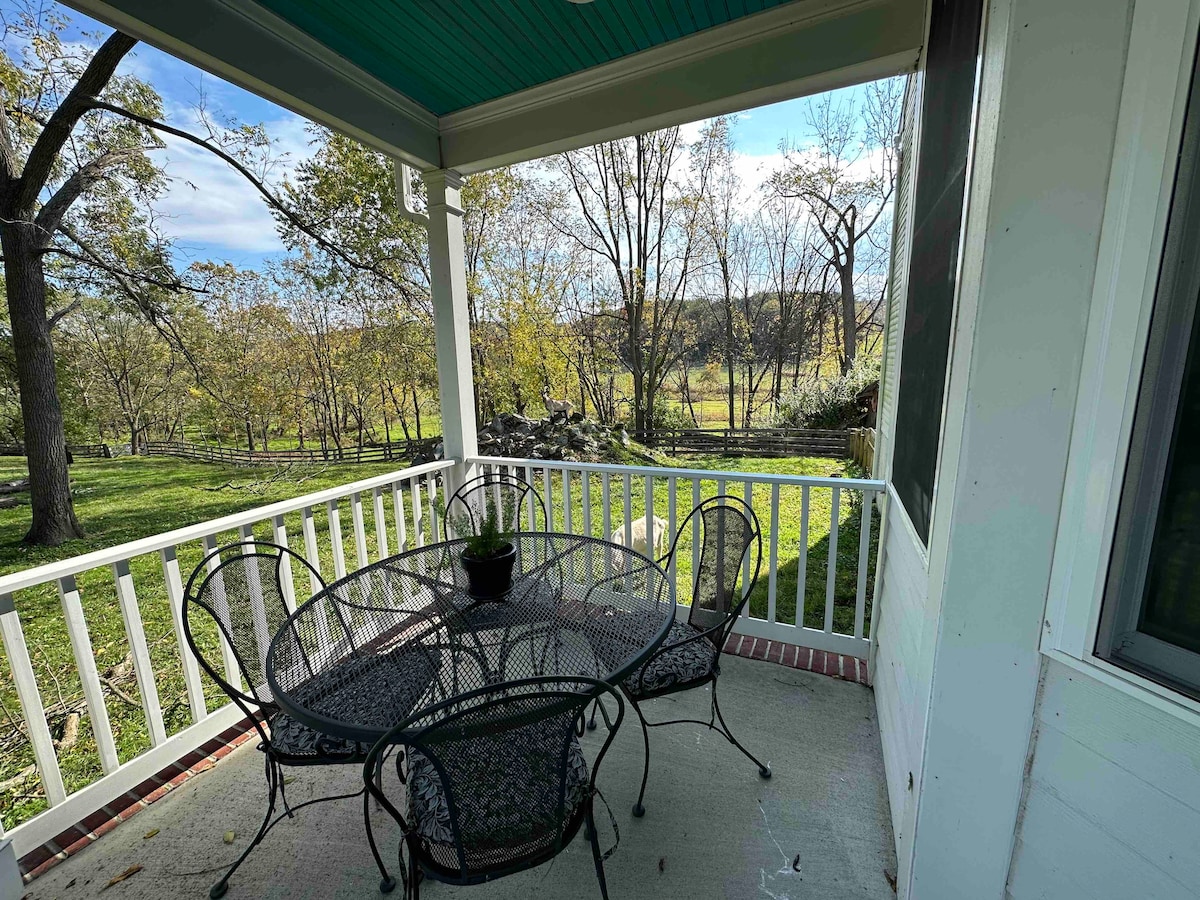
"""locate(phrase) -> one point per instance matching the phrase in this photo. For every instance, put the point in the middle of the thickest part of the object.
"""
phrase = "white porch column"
(1051, 82)
(448, 282)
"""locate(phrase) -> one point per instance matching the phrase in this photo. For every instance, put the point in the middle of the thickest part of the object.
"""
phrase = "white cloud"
(208, 203)
(755, 170)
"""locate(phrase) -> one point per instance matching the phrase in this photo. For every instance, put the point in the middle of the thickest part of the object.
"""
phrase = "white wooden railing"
(121, 572)
(815, 612)
(147, 577)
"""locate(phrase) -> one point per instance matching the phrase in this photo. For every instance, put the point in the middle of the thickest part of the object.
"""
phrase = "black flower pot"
(490, 578)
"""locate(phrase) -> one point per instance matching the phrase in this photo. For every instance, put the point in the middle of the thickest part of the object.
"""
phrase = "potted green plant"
(488, 555)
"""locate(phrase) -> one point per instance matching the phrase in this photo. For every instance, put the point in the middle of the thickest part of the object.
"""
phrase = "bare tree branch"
(277, 203)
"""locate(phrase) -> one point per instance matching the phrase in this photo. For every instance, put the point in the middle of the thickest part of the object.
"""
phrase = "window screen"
(949, 98)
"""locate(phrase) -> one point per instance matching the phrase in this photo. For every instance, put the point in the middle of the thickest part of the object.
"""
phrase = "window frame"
(1162, 49)
(1120, 638)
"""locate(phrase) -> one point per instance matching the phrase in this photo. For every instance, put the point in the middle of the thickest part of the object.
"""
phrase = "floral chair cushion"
(298, 743)
(675, 663)
(430, 813)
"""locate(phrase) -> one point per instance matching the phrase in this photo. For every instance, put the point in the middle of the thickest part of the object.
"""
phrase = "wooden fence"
(395, 451)
(862, 448)
(751, 441)
(94, 451)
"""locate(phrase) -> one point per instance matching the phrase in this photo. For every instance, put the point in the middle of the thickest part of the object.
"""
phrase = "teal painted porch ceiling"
(451, 54)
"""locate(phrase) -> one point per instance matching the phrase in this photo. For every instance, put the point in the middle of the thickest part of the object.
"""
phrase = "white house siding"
(1112, 807)
(901, 690)
(957, 668)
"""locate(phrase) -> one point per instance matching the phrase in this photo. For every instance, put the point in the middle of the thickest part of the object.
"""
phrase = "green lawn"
(123, 499)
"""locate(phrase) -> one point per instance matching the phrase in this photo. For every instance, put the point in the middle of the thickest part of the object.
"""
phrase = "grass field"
(123, 499)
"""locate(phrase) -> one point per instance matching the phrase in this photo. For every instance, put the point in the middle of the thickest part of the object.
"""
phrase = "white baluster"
(381, 537)
(89, 678)
(308, 526)
(864, 548)
(773, 559)
(802, 562)
(30, 698)
(529, 501)
(233, 672)
(418, 517)
(286, 585)
(191, 671)
(258, 603)
(398, 512)
(335, 538)
(143, 669)
(566, 495)
(748, 496)
(360, 530)
(831, 569)
(585, 487)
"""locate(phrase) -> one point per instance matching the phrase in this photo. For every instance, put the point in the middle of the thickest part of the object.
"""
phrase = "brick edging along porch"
(203, 758)
(836, 665)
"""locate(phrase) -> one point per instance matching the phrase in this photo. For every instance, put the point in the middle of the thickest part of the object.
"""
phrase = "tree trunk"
(417, 411)
(849, 313)
(729, 350)
(41, 412)
(249, 436)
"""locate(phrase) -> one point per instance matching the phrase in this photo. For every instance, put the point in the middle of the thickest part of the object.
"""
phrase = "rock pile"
(574, 438)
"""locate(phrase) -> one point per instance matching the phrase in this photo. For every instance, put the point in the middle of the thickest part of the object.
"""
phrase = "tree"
(124, 364)
(630, 215)
(847, 177)
(797, 275)
(43, 154)
(76, 193)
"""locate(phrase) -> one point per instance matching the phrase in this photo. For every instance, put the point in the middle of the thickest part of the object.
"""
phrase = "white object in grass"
(639, 542)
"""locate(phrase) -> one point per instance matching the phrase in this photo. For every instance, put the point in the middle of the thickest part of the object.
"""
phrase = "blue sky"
(213, 214)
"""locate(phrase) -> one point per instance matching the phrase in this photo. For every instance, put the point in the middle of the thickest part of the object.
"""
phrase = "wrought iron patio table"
(404, 634)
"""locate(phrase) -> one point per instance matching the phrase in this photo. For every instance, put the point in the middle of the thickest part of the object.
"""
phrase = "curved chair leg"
(638, 809)
(387, 883)
(596, 857)
(763, 770)
(273, 779)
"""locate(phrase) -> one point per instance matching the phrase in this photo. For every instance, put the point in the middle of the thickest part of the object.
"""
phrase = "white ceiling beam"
(802, 48)
(251, 47)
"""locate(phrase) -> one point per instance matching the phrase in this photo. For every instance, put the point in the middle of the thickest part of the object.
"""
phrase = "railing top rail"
(861, 484)
(109, 555)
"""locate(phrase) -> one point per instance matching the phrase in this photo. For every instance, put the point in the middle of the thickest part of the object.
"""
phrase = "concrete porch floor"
(819, 828)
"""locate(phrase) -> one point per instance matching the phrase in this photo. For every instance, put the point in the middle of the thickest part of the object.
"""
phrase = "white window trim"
(1159, 64)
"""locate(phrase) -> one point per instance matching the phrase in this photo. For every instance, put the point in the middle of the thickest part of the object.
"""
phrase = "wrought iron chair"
(507, 494)
(243, 595)
(727, 530)
(497, 782)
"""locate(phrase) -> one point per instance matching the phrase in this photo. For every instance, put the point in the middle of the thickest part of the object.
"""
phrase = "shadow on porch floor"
(818, 829)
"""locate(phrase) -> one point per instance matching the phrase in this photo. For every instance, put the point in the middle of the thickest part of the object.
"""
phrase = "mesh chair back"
(244, 594)
(512, 500)
(514, 780)
(730, 546)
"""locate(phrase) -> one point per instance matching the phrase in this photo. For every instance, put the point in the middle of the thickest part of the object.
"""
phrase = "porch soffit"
(472, 84)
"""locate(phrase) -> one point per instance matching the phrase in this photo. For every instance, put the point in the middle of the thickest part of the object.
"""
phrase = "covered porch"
(1046, 136)
(819, 828)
